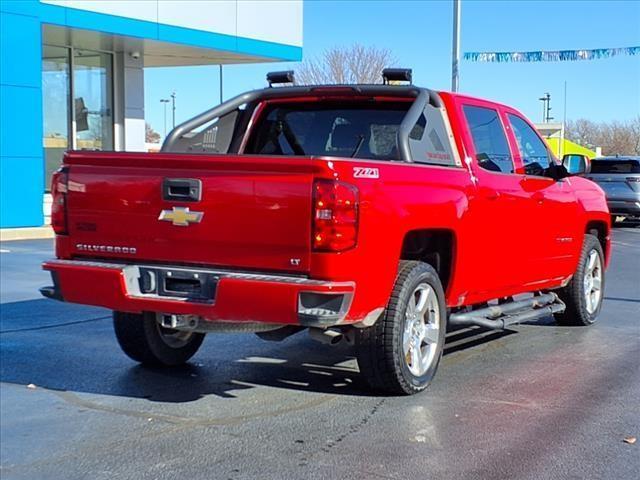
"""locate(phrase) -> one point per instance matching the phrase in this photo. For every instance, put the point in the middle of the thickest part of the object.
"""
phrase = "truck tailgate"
(253, 212)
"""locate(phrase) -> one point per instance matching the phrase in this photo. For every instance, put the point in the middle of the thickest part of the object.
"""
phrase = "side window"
(213, 137)
(429, 140)
(533, 151)
(489, 139)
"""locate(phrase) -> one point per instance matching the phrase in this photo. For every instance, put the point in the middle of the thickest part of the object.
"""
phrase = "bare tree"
(345, 65)
(150, 135)
(615, 137)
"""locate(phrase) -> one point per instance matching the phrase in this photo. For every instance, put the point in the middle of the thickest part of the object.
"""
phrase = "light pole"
(546, 107)
(455, 60)
(164, 102)
(220, 83)
(173, 108)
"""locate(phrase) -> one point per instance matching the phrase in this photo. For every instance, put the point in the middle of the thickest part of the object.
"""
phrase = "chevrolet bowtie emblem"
(181, 216)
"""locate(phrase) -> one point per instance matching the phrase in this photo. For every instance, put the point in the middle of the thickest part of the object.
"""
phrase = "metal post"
(546, 108)
(549, 117)
(164, 102)
(455, 60)
(173, 108)
(220, 83)
(564, 122)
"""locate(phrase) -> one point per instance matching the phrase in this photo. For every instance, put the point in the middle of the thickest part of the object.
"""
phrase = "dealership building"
(72, 75)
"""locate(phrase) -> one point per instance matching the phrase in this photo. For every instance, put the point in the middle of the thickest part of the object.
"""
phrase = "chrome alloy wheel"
(593, 281)
(421, 330)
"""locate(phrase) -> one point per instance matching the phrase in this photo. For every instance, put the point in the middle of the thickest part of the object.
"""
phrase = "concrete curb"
(33, 233)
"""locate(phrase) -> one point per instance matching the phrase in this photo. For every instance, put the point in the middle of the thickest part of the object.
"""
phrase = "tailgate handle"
(182, 189)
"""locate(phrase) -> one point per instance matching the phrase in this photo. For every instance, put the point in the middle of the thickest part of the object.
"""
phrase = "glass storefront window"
(87, 122)
(93, 112)
(55, 93)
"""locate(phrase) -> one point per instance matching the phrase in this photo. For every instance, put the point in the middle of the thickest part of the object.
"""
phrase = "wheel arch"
(599, 229)
(433, 246)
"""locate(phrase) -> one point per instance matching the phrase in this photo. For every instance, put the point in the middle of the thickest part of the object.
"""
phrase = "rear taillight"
(59, 182)
(335, 216)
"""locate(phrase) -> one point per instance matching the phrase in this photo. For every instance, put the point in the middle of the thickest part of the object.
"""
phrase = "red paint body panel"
(512, 233)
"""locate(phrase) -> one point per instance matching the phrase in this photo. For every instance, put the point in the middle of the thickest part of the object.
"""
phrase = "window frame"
(516, 147)
(506, 129)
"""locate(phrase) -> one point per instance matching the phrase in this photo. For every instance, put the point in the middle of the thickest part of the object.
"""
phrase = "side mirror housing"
(576, 164)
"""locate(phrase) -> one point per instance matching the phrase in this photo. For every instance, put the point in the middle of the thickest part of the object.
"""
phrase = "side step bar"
(498, 317)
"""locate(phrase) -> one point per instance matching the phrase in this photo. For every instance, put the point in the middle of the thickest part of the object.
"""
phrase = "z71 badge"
(363, 172)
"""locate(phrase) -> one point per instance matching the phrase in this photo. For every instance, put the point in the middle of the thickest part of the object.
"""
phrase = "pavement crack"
(354, 428)
(46, 327)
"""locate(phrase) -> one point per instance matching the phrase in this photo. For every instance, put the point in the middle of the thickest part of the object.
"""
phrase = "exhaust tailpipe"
(328, 336)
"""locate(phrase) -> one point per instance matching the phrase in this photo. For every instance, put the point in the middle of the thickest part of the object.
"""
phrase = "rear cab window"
(489, 139)
(362, 129)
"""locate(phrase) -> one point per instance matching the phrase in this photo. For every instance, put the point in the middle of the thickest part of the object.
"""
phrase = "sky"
(419, 35)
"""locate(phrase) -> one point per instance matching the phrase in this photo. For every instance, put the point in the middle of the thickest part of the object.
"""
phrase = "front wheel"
(401, 352)
(144, 340)
(583, 295)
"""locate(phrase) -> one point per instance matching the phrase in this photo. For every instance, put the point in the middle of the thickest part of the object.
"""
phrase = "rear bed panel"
(255, 210)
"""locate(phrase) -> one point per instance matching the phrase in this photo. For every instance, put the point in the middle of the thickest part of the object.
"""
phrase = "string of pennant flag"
(550, 56)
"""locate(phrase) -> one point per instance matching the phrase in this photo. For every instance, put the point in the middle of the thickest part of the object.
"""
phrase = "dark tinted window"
(615, 166)
(533, 151)
(489, 140)
(363, 130)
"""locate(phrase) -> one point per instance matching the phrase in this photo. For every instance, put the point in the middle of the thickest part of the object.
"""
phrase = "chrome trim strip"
(256, 277)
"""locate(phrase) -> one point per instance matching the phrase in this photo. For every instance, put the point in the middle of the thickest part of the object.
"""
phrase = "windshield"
(363, 129)
(615, 166)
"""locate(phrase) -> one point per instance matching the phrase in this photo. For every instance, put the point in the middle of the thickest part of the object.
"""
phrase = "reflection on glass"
(92, 100)
(55, 95)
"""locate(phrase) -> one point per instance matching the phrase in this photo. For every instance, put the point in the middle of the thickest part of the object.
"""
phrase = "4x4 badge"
(181, 216)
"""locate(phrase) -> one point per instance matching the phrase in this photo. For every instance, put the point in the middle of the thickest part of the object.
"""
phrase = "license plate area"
(192, 285)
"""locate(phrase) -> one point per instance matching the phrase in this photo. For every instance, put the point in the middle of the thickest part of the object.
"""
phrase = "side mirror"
(576, 164)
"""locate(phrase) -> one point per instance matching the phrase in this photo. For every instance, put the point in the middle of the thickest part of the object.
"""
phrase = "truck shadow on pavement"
(72, 348)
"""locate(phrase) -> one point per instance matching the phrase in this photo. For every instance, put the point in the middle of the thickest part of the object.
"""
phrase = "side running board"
(498, 317)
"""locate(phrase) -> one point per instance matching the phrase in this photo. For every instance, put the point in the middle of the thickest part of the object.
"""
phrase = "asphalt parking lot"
(536, 401)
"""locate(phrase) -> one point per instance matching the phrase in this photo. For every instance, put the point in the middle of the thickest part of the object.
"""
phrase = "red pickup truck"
(379, 214)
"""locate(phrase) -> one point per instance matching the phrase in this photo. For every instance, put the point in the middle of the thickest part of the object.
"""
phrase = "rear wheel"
(584, 293)
(144, 340)
(401, 352)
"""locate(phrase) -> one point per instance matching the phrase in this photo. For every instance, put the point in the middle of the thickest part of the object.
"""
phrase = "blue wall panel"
(21, 154)
(21, 187)
(21, 119)
(20, 63)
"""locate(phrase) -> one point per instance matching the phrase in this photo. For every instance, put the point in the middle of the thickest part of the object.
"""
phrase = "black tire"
(573, 295)
(143, 339)
(379, 348)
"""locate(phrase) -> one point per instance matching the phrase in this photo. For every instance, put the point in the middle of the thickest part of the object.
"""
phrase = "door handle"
(182, 189)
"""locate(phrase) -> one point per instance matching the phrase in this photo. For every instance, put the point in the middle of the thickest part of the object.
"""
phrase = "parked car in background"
(619, 177)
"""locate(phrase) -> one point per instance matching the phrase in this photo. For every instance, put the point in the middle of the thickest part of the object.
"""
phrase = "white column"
(129, 101)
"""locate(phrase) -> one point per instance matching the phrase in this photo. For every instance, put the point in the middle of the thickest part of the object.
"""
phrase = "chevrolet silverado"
(378, 214)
